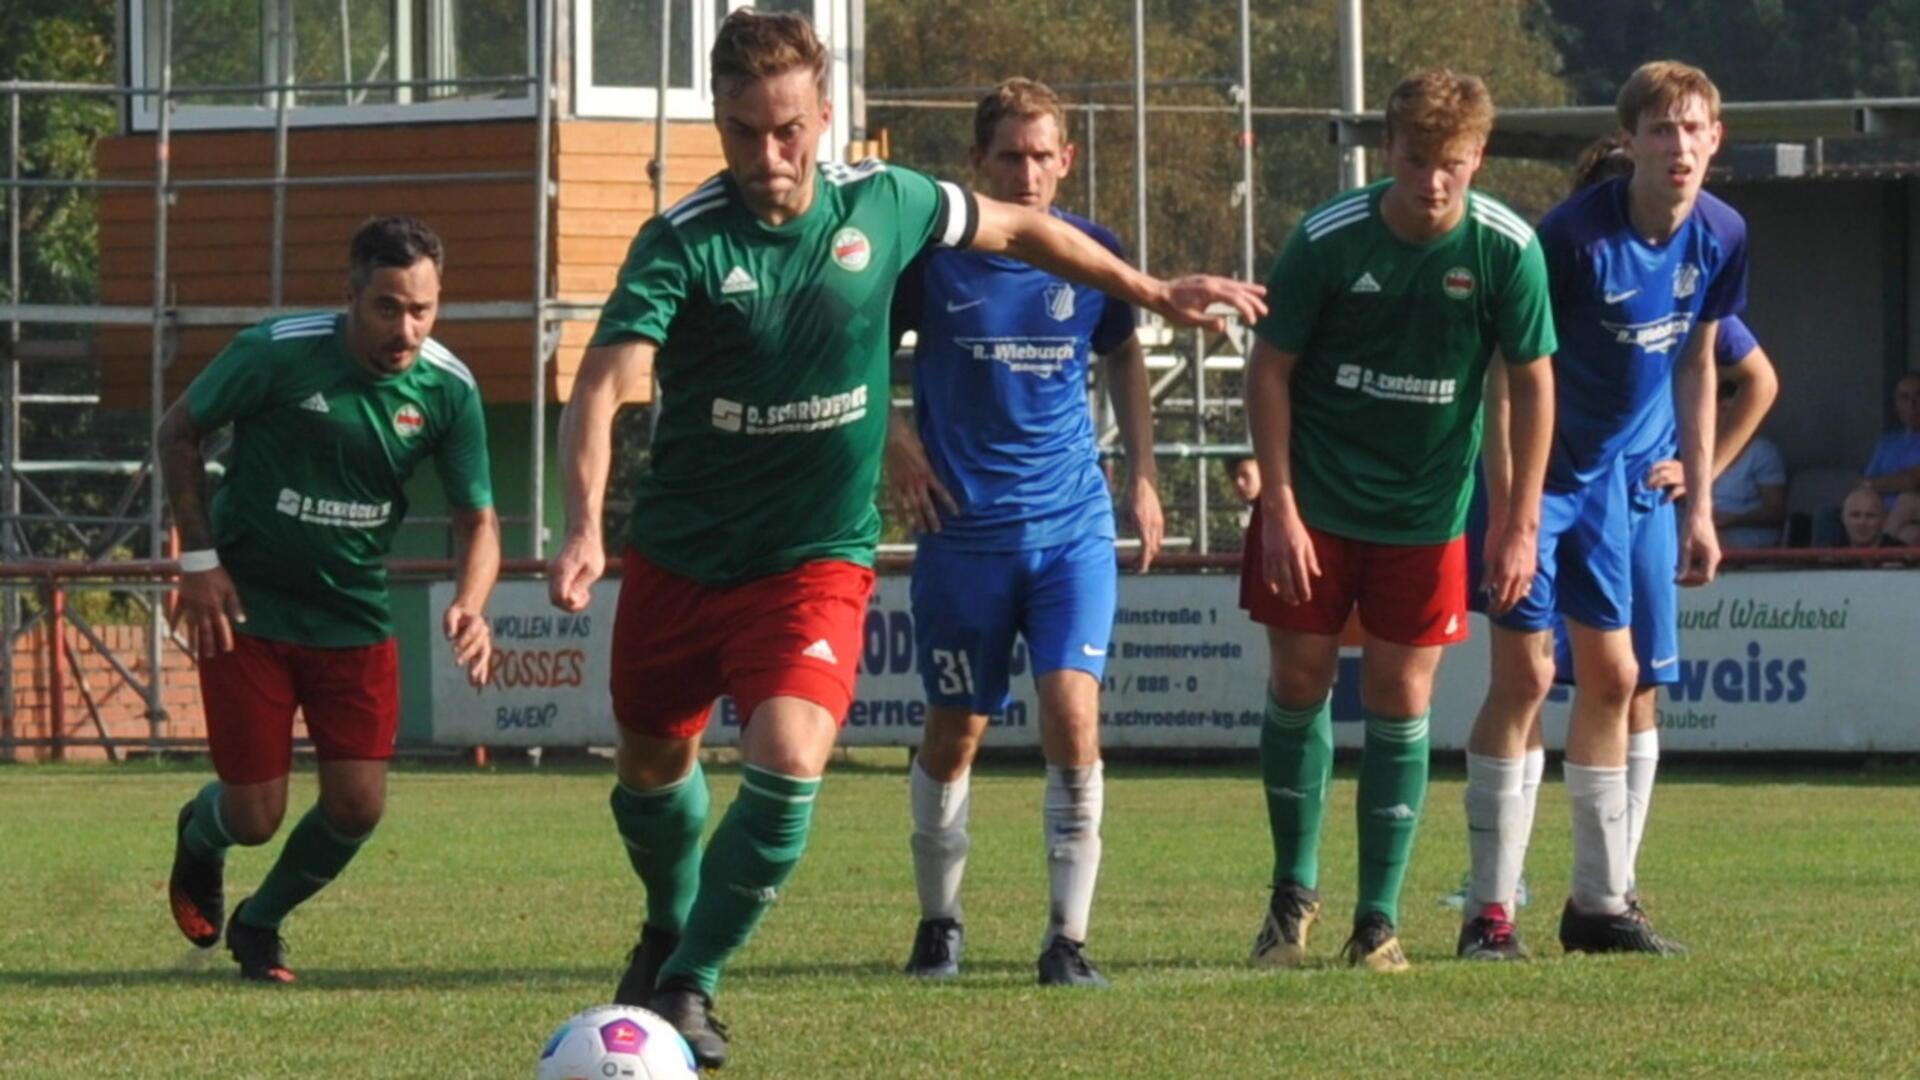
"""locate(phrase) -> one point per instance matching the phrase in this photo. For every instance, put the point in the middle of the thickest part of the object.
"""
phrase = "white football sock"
(1643, 760)
(1599, 799)
(940, 841)
(1496, 829)
(1536, 770)
(1075, 799)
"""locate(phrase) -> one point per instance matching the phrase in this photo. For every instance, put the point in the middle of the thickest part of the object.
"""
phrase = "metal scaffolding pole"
(1245, 92)
(1140, 132)
(1353, 160)
(10, 433)
(542, 193)
(157, 508)
(1202, 533)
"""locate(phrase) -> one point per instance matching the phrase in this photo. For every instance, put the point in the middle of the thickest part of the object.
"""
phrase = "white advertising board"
(1813, 660)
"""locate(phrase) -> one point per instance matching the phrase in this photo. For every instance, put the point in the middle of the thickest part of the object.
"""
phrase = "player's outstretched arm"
(1059, 248)
(1693, 392)
(1287, 563)
(609, 375)
(209, 604)
(476, 540)
(911, 481)
(1132, 395)
(1513, 534)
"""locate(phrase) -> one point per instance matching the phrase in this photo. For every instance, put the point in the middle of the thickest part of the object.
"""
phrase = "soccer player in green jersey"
(762, 302)
(282, 588)
(1364, 402)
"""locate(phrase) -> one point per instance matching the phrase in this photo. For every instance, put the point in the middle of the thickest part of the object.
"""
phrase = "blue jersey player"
(1643, 269)
(1000, 474)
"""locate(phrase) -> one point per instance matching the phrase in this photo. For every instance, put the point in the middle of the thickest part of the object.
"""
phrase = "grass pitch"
(490, 905)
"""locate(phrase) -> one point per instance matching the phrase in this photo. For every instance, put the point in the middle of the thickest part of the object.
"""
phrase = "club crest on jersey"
(408, 421)
(1686, 281)
(1458, 283)
(1060, 301)
(851, 250)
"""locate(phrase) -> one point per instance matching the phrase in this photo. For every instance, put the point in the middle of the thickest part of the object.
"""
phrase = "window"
(327, 43)
(616, 51)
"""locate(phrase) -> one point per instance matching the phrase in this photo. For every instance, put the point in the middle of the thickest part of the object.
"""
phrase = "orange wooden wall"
(220, 241)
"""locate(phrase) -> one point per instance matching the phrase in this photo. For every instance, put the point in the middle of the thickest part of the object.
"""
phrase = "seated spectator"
(1865, 520)
(1894, 469)
(1750, 497)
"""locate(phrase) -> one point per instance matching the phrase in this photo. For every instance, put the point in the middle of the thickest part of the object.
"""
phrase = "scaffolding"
(164, 319)
(1177, 362)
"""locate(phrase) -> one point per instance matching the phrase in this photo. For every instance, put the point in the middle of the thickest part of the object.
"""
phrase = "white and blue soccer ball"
(615, 1042)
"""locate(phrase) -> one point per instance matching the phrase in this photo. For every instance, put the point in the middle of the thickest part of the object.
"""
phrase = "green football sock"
(750, 856)
(1296, 760)
(315, 854)
(1393, 786)
(661, 829)
(206, 832)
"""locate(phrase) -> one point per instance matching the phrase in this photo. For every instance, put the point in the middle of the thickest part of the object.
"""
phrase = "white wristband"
(199, 562)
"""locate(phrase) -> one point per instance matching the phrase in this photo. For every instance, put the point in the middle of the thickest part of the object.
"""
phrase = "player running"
(762, 301)
(1643, 270)
(1003, 482)
(1364, 401)
(1741, 365)
(282, 589)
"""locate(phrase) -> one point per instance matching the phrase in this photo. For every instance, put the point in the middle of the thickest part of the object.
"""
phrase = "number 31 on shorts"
(956, 674)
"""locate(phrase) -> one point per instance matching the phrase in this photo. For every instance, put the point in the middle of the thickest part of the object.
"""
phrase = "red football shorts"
(678, 644)
(1409, 594)
(350, 698)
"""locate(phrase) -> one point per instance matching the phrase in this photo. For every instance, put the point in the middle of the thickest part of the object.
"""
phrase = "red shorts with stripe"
(678, 644)
(350, 698)
(1408, 594)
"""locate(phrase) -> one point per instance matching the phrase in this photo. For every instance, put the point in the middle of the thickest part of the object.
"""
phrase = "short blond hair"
(1659, 87)
(1440, 106)
(1024, 98)
(752, 46)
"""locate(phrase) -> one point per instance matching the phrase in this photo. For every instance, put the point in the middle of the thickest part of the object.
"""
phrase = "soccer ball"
(615, 1042)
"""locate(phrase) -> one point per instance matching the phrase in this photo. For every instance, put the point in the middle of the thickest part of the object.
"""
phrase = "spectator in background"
(1246, 484)
(1894, 469)
(1865, 519)
(1750, 494)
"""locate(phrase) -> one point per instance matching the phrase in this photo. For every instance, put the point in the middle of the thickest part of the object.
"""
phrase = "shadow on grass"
(312, 978)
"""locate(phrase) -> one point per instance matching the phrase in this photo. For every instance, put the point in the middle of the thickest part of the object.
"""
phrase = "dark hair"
(398, 241)
(752, 45)
(1603, 159)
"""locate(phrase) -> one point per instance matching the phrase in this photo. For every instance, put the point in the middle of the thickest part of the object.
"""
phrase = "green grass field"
(491, 905)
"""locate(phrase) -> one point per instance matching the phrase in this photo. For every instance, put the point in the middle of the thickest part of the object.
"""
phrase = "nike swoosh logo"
(1091, 651)
(1668, 662)
(1611, 818)
(1612, 298)
(953, 307)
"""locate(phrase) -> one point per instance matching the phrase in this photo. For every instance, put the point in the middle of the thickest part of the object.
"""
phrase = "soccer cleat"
(195, 890)
(644, 961)
(690, 1011)
(1630, 931)
(937, 945)
(1457, 899)
(1283, 938)
(1375, 945)
(1490, 935)
(1065, 963)
(261, 953)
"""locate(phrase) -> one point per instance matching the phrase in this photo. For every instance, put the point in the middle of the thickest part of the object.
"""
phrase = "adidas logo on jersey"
(1365, 284)
(738, 281)
(316, 403)
(820, 650)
